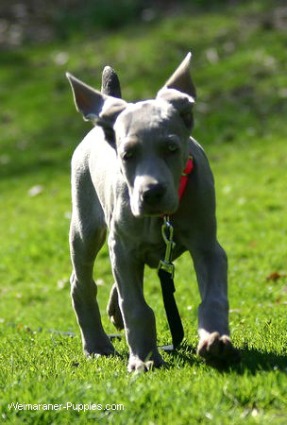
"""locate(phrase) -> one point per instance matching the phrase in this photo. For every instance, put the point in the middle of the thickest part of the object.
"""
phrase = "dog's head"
(150, 137)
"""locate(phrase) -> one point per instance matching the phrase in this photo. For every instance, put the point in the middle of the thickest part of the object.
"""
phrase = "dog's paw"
(114, 310)
(139, 366)
(104, 348)
(218, 350)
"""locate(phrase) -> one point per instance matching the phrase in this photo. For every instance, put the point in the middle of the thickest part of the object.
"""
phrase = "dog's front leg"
(84, 291)
(210, 264)
(139, 319)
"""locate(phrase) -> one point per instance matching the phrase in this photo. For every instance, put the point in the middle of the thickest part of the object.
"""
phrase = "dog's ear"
(94, 105)
(179, 91)
(110, 83)
(183, 103)
(181, 78)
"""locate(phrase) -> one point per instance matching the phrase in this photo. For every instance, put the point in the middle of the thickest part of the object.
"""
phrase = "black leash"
(166, 275)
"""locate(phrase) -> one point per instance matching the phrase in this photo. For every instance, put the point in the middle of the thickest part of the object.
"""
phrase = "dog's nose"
(153, 194)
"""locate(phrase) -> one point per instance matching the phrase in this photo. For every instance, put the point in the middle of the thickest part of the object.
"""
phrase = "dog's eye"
(172, 147)
(127, 155)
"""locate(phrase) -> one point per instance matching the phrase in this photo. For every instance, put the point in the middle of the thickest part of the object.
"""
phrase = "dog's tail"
(110, 83)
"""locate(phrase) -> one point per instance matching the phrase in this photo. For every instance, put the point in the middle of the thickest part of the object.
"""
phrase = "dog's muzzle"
(153, 195)
(154, 199)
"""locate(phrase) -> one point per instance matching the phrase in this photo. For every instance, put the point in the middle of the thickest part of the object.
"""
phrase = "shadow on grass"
(251, 360)
(254, 360)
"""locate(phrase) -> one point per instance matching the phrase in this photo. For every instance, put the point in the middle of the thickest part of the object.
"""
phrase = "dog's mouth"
(144, 210)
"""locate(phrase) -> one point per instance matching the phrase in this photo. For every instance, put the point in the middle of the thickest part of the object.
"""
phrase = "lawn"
(239, 68)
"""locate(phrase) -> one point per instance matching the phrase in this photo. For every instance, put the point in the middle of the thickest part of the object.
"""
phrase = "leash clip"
(167, 234)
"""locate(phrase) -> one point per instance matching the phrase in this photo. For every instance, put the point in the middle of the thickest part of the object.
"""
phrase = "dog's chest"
(152, 253)
(151, 246)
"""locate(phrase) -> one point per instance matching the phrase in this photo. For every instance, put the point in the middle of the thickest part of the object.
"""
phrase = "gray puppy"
(125, 177)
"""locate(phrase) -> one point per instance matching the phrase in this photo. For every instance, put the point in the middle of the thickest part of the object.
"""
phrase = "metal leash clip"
(167, 234)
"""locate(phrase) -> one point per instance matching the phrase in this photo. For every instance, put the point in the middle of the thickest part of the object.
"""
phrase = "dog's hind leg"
(114, 310)
(87, 235)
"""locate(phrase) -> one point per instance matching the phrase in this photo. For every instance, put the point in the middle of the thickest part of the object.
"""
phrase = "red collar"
(184, 176)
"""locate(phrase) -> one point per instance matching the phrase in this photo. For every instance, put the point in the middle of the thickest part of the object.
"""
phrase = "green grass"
(239, 68)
